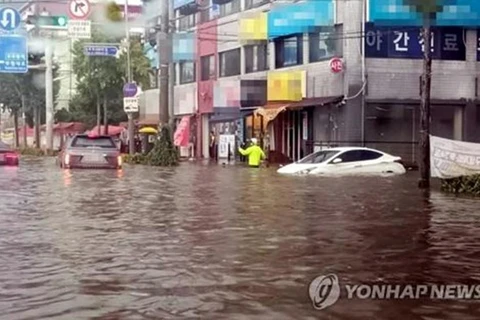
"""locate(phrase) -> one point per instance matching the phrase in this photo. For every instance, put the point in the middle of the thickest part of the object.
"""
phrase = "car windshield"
(87, 142)
(318, 157)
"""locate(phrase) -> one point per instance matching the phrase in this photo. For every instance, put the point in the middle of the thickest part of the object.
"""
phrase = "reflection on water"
(217, 242)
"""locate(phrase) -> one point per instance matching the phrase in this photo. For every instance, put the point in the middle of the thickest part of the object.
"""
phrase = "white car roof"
(350, 148)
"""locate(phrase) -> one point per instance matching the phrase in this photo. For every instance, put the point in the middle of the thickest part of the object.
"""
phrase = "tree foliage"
(100, 80)
(114, 12)
(164, 153)
(32, 86)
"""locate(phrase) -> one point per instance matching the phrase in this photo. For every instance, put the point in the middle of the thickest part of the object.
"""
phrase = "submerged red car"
(8, 156)
(90, 151)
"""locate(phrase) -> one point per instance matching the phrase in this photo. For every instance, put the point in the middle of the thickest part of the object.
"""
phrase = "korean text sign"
(448, 43)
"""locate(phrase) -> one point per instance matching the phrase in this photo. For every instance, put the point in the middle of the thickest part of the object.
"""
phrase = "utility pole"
(131, 125)
(171, 67)
(424, 182)
(49, 94)
(163, 49)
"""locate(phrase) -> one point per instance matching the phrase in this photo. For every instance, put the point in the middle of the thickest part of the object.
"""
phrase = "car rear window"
(87, 142)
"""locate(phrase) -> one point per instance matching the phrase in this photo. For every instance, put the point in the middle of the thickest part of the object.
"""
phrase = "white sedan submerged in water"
(346, 160)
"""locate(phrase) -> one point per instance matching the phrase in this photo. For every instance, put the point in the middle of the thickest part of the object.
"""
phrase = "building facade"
(283, 81)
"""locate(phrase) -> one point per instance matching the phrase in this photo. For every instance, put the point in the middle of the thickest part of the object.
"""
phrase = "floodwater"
(212, 242)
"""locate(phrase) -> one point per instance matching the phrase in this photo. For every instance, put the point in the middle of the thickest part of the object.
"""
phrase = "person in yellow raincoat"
(254, 153)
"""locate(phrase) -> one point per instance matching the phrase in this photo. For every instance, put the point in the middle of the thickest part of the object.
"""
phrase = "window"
(249, 4)
(289, 51)
(207, 71)
(326, 44)
(256, 58)
(230, 63)
(186, 22)
(359, 155)
(229, 8)
(87, 142)
(318, 157)
(187, 72)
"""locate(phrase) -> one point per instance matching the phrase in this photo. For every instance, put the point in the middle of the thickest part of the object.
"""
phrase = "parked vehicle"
(8, 156)
(90, 151)
(346, 161)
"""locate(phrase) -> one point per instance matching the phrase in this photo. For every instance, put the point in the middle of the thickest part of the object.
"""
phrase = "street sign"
(79, 9)
(130, 104)
(13, 54)
(336, 65)
(9, 19)
(80, 29)
(130, 90)
(100, 51)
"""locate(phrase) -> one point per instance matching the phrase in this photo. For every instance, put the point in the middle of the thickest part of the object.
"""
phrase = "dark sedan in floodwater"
(90, 151)
(8, 156)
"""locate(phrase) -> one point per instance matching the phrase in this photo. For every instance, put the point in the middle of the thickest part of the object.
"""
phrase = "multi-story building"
(283, 79)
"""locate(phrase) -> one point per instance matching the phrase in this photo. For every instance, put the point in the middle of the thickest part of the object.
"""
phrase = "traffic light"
(53, 21)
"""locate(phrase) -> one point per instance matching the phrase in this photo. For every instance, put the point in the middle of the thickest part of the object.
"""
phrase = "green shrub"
(137, 158)
(462, 185)
(164, 153)
(36, 152)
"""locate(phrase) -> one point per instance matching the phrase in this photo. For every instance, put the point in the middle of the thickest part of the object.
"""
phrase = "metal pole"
(424, 182)
(164, 48)
(49, 94)
(24, 121)
(131, 125)
(171, 71)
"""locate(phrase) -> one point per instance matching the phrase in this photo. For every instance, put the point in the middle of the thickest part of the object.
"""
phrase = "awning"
(272, 110)
(181, 137)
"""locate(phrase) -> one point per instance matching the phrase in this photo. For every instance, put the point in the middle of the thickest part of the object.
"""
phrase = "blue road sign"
(9, 19)
(100, 51)
(13, 54)
(130, 90)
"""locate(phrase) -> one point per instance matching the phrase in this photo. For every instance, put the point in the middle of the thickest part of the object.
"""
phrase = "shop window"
(187, 72)
(326, 44)
(230, 63)
(289, 51)
(256, 58)
(207, 65)
(229, 8)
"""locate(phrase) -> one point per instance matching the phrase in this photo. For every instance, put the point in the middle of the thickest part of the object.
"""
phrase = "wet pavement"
(213, 242)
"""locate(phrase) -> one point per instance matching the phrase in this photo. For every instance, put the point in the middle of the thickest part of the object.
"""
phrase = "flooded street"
(213, 242)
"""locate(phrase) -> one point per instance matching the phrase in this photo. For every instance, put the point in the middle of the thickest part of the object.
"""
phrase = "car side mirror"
(337, 160)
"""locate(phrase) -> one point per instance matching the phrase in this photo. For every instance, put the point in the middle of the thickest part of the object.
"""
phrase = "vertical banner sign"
(407, 43)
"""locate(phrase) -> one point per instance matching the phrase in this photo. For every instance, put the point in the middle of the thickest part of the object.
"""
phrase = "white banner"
(451, 158)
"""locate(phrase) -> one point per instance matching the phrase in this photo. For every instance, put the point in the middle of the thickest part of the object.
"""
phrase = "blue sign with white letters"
(100, 51)
(13, 54)
(407, 43)
(9, 19)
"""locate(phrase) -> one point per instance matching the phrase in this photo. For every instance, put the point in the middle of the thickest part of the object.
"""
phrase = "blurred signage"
(406, 42)
(253, 27)
(286, 85)
(409, 13)
(300, 17)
